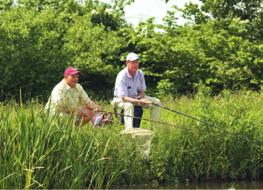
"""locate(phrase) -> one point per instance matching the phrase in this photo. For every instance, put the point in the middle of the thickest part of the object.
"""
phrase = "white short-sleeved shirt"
(126, 85)
(65, 99)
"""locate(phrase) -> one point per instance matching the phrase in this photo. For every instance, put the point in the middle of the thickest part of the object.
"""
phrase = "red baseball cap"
(71, 71)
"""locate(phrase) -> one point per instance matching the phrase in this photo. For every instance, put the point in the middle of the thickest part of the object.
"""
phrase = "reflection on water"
(224, 185)
(210, 185)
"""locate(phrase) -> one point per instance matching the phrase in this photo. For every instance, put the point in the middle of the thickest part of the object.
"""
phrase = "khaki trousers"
(129, 110)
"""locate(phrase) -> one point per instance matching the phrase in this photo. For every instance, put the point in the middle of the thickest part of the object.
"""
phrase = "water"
(211, 185)
(221, 185)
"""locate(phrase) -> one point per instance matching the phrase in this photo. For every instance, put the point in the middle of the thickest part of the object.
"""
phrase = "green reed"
(228, 146)
(38, 151)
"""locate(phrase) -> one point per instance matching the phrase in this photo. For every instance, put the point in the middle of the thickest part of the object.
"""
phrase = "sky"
(141, 10)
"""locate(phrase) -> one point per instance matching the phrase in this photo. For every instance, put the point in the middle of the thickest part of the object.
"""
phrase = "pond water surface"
(210, 185)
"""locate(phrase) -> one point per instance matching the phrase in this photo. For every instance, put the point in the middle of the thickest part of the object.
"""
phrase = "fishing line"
(180, 113)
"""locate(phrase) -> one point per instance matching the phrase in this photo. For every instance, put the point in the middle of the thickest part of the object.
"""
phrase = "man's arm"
(87, 101)
(135, 101)
(89, 107)
(140, 95)
(93, 106)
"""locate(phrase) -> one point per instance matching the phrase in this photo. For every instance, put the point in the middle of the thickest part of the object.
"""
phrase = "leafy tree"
(5, 5)
(71, 6)
(193, 12)
(30, 51)
(92, 49)
(37, 44)
(221, 46)
(242, 9)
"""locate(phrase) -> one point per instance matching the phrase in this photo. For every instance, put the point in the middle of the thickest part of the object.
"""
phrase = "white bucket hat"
(132, 57)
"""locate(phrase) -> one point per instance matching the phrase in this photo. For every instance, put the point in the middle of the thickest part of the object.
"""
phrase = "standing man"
(130, 91)
(69, 98)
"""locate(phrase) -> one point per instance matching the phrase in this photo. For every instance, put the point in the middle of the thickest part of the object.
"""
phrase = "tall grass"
(42, 152)
(229, 145)
(37, 151)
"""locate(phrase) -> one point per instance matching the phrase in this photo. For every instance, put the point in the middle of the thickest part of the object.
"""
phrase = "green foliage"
(38, 151)
(218, 50)
(220, 45)
(231, 60)
(37, 46)
(216, 53)
(5, 4)
(228, 146)
(42, 152)
(243, 9)
(30, 51)
(193, 12)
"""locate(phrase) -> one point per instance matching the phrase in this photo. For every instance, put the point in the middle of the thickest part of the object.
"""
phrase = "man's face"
(72, 80)
(133, 66)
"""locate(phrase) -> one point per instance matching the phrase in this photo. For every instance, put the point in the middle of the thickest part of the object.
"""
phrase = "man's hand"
(144, 102)
(93, 106)
(140, 95)
(139, 102)
(96, 108)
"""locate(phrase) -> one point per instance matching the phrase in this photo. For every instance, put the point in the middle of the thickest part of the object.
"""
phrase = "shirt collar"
(67, 86)
(129, 75)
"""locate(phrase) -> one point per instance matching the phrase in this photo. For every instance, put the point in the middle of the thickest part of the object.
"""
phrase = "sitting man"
(69, 98)
(129, 92)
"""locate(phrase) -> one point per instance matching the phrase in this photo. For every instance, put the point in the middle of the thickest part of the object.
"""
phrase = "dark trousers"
(138, 112)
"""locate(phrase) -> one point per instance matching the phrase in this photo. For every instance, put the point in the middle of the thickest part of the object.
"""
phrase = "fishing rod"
(134, 117)
(189, 116)
(155, 121)
(180, 113)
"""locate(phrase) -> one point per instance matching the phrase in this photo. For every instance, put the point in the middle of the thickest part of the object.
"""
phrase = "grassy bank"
(42, 152)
